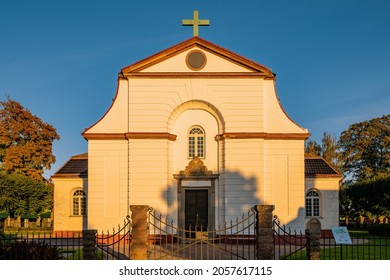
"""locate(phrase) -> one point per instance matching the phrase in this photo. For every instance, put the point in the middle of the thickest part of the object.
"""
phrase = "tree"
(329, 150)
(369, 198)
(20, 195)
(312, 148)
(25, 141)
(366, 149)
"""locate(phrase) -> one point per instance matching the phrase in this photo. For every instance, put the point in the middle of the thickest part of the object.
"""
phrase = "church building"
(198, 133)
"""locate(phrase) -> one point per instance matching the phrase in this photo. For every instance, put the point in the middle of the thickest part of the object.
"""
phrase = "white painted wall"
(108, 183)
(183, 123)
(63, 218)
(139, 171)
(284, 173)
(328, 189)
(214, 64)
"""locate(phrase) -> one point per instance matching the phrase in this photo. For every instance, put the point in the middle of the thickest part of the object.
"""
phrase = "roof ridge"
(80, 156)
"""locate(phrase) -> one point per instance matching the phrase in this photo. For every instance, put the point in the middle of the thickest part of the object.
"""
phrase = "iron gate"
(235, 240)
(288, 244)
(115, 245)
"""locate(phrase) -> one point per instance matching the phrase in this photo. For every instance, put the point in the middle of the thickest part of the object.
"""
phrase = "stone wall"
(19, 222)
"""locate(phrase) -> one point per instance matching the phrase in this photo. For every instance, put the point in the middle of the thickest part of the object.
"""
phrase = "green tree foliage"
(329, 150)
(312, 148)
(20, 195)
(366, 149)
(369, 198)
(25, 141)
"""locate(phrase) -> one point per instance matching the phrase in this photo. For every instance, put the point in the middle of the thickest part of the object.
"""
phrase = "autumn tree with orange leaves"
(25, 141)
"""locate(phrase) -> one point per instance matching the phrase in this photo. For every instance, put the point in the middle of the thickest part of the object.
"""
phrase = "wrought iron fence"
(115, 245)
(288, 244)
(292, 245)
(40, 245)
(362, 248)
(235, 240)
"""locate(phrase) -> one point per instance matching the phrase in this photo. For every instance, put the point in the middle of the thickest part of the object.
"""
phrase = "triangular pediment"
(194, 57)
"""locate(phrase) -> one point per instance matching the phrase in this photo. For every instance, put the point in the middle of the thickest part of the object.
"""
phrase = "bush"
(380, 230)
(23, 250)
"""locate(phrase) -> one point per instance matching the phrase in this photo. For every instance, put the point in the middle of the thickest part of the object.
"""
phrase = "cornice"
(197, 75)
(219, 137)
(262, 135)
(129, 135)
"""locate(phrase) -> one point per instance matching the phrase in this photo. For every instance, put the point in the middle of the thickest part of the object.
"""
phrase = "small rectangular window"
(200, 147)
(308, 207)
(316, 207)
(76, 206)
(83, 206)
(191, 147)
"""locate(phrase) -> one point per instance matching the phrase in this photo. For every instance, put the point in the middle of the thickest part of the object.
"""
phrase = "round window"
(196, 60)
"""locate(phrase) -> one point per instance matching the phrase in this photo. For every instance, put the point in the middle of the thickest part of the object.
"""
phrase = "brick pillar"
(264, 232)
(89, 244)
(313, 235)
(139, 232)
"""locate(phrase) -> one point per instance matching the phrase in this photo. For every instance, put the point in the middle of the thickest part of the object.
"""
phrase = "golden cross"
(196, 22)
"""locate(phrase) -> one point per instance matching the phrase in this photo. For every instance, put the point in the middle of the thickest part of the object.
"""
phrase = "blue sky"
(60, 59)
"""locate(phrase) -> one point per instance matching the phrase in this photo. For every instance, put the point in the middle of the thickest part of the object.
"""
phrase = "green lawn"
(365, 247)
(78, 255)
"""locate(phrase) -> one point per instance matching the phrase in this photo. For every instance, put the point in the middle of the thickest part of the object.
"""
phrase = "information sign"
(341, 235)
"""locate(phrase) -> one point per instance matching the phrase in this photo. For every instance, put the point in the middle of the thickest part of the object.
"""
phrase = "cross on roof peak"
(196, 22)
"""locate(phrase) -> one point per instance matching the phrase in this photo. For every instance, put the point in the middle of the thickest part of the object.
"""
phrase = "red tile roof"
(318, 166)
(76, 166)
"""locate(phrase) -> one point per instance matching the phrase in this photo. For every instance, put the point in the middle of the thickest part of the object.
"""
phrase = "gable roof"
(76, 166)
(255, 68)
(316, 166)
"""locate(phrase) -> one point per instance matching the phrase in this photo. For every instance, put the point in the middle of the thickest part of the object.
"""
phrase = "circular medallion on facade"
(196, 60)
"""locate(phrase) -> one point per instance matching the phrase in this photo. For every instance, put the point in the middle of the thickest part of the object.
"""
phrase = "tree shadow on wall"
(234, 195)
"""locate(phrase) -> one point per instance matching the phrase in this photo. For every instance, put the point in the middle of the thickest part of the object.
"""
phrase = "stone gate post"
(139, 232)
(89, 244)
(264, 232)
(313, 235)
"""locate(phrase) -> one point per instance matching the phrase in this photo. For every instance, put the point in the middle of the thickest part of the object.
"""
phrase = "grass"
(78, 255)
(365, 247)
(375, 249)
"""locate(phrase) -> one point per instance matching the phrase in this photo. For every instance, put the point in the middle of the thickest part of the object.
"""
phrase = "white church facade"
(198, 133)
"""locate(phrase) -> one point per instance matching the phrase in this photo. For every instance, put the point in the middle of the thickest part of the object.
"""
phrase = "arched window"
(312, 204)
(79, 203)
(196, 143)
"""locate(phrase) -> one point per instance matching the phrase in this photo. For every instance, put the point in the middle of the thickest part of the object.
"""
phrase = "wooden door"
(196, 209)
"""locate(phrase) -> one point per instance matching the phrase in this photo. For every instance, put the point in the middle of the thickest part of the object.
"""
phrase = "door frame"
(196, 183)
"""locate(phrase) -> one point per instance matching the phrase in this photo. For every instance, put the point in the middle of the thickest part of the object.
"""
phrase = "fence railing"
(41, 246)
(289, 244)
(151, 237)
(234, 240)
(115, 245)
(362, 248)
(316, 244)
